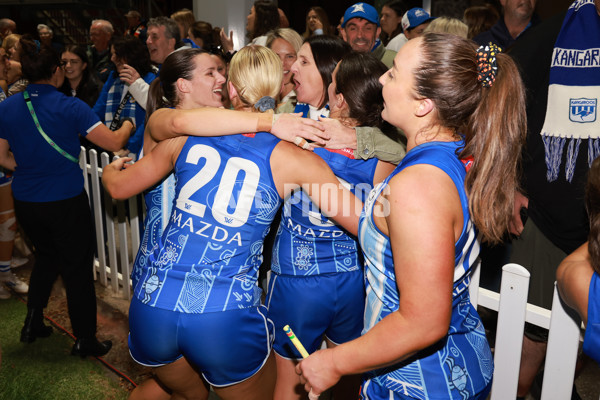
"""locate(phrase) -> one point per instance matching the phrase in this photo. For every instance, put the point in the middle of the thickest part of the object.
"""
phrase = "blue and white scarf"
(115, 94)
(572, 109)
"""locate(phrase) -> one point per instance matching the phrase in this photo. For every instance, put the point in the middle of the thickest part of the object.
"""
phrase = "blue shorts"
(371, 390)
(591, 340)
(227, 347)
(329, 304)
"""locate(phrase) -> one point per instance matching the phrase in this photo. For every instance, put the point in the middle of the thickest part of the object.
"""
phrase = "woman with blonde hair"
(10, 45)
(453, 26)
(286, 43)
(196, 316)
(185, 19)
(462, 109)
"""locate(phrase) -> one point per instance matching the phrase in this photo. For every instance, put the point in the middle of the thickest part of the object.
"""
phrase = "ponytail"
(495, 136)
(156, 98)
(492, 120)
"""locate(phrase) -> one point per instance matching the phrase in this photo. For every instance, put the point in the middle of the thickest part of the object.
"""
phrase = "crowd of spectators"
(112, 75)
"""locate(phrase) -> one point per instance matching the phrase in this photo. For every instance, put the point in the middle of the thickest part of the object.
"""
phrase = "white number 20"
(224, 195)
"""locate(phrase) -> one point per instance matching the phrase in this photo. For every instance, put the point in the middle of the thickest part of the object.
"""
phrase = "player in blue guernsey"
(317, 283)
(463, 112)
(578, 276)
(197, 305)
(163, 93)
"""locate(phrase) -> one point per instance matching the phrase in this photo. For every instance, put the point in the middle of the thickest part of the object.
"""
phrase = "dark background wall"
(78, 14)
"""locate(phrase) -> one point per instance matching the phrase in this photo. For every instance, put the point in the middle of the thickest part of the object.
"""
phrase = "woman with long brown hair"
(462, 110)
(317, 23)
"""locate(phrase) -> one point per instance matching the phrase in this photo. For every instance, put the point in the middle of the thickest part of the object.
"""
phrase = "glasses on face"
(62, 64)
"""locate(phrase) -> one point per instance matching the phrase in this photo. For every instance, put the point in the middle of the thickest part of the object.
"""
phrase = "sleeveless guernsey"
(591, 340)
(460, 366)
(307, 242)
(159, 203)
(208, 255)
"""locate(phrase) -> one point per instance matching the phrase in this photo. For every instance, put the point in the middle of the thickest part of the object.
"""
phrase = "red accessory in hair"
(486, 64)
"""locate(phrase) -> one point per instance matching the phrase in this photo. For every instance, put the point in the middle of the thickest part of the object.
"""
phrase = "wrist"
(130, 120)
(265, 122)
(334, 359)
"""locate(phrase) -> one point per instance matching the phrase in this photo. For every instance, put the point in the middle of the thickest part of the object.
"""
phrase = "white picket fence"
(513, 310)
(117, 227)
(117, 249)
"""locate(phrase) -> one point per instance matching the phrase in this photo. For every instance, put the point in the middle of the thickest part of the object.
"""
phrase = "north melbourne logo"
(583, 110)
(358, 8)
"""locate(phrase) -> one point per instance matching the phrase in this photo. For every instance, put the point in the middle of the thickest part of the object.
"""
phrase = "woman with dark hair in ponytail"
(317, 281)
(462, 110)
(41, 144)
(196, 315)
(578, 276)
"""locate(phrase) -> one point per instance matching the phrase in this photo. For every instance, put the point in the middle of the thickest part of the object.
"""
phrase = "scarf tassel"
(593, 150)
(554, 148)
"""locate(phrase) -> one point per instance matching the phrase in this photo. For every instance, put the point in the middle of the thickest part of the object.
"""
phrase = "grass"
(45, 369)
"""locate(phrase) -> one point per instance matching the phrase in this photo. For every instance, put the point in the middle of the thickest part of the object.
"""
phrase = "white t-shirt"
(397, 42)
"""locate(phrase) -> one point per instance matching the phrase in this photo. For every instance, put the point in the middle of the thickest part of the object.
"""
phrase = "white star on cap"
(359, 7)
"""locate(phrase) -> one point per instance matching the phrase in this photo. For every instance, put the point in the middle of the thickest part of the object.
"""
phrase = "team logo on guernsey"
(583, 110)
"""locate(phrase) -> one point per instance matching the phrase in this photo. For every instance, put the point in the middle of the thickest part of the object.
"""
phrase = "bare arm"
(382, 171)
(573, 276)
(7, 159)
(293, 168)
(124, 180)
(111, 140)
(422, 229)
(167, 123)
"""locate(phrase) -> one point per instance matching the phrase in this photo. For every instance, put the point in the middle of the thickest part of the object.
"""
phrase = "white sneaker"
(16, 262)
(4, 294)
(13, 282)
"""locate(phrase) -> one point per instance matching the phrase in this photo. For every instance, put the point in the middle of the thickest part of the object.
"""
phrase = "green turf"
(44, 369)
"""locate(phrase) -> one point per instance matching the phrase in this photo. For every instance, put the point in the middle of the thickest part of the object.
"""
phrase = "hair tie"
(486, 64)
(265, 103)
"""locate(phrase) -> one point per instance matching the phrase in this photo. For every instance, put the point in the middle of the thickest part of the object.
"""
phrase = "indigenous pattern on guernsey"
(208, 257)
(307, 242)
(462, 366)
(159, 204)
